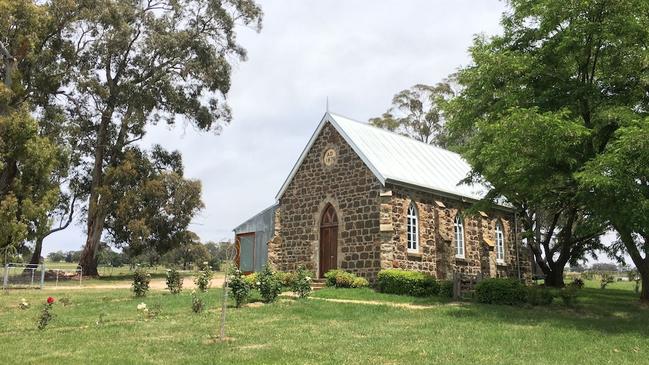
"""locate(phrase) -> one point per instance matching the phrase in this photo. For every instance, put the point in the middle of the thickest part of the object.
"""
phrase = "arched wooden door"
(328, 240)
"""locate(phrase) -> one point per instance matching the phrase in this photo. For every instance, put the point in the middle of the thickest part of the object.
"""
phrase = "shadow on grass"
(609, 311)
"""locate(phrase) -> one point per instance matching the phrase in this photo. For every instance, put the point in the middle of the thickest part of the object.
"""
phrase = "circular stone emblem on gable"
(329, 157)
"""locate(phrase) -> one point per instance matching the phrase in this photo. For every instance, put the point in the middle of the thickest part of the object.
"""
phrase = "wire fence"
(27, 276)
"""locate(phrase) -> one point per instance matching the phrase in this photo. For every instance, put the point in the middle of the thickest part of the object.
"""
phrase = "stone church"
(363, 199)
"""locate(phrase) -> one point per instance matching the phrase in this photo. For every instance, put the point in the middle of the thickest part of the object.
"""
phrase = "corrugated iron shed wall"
(263, 226)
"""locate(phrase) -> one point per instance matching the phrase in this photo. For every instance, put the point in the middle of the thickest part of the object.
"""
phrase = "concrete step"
(318, 284)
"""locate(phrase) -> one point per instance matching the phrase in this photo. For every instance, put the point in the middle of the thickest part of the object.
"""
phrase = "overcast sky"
(357, 53)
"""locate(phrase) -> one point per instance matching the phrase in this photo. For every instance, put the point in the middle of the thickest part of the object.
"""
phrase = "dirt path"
(156, 284)
(389, 304)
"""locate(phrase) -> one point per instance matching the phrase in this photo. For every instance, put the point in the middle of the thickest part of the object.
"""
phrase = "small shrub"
(148, 313)
(101, 319)
(539, 295)
(606, 279)
(204, 277)
(446, 289)
(342, 279)
(46, 314)
(23, 304)
(240, 287)
(252, 280)
(500, 291)
(66, 301)
(141, 280)
(360, 283)
(287, 279)
(174, 281)
(568, 295)
(302, 283)
(403, 282)
(269, 286)
(197, 303)
(577, 283)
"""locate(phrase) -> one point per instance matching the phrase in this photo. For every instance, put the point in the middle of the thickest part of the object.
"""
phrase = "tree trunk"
(38, 248)
(644, 294)
(555, 278)
(89, 259)
(96, 215)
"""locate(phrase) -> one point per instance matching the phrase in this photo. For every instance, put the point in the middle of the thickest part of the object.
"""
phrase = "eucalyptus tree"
(544, 99)
(150, 204)
(416, 113)
(141, 63)
(34, 57)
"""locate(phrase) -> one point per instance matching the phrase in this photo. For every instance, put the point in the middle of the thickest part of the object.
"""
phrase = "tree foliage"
(141, 63)
(619, 180)
(34, 157)
(149, 203)
(542, 100)
(416, 113)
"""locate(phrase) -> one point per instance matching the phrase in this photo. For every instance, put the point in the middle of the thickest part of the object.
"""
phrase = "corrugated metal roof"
(398, 159)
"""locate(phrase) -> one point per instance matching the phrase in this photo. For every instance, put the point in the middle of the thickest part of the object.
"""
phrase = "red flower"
(50, 300)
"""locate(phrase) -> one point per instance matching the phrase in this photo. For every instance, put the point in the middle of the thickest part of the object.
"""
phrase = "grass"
(608, 327)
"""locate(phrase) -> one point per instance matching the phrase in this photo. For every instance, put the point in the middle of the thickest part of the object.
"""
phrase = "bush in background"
(251, 280)
(287, 279)
(540, 295)
(302, 284)
(403, 282)
(204, 277)
(174, 281)
(197, 303)
(269, 285)
(577, 283)
(342, 279)
(446, 289)
(239, 287)
(141, 280)
(500, 291)
(569, 295)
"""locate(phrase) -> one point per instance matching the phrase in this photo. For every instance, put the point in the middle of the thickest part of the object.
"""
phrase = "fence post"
(43, 276)
(5, 281)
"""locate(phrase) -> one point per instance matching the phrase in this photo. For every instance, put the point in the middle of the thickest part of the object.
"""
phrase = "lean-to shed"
(252, 238)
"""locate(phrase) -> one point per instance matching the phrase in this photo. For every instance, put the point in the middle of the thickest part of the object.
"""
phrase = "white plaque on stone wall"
(329, 157)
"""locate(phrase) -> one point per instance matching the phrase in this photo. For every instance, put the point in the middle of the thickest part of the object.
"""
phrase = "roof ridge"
(393, 132)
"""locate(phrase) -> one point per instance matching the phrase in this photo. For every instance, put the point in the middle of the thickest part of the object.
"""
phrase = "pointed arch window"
(500, 243)
(413, 228)
(459, 236)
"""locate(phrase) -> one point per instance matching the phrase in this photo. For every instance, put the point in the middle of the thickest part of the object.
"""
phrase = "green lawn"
(608, 327)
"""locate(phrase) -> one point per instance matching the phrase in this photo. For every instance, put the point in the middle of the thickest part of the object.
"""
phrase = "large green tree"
(149, 203)
(619, 181)
(140, 63)
(32, 157)
(542, 100)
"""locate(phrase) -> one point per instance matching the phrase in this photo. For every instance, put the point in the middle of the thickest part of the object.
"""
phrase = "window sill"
(414, 254)
(501, 263)
(460, 259)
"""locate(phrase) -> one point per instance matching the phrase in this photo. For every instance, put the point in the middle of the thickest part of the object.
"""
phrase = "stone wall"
(351, 188)
(436, 254)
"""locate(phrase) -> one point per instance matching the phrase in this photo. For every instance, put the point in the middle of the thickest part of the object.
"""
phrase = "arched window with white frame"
(413, 228)
(459, 236)
(500, 243)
